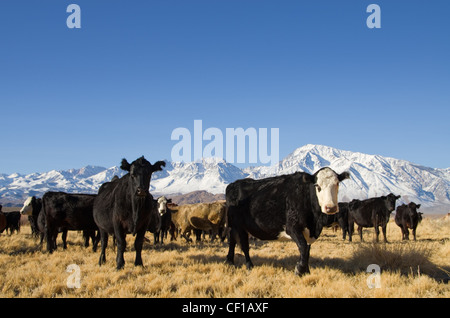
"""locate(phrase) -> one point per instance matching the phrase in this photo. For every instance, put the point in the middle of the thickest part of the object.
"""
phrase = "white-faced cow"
(166, 219)
(125, 206)
(407, 217)
(291, 206)
(373, 212)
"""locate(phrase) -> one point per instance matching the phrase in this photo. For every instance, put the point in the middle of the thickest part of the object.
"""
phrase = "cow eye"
(318, 187)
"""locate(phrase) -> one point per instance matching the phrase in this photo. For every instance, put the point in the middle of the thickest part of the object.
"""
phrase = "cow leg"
(406, 233)
(243, 242)
(303, 265)
(104, 242)
(184, 234)
(403, 232)
(138, 242)
(414, 233)
(156, 237)
(377, 233)
(304, 249)
(121, 245)
(231, 247)
(64, 239)
(95, 240)
(360, 230)
(383, 228)
(51, 238)
(163, 234)
(351, 229)
(198, 235)
(86, 236)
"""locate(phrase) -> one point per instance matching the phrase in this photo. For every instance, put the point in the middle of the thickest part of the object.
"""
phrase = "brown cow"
(201, 216)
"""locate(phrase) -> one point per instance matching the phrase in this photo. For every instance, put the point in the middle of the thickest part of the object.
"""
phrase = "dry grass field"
(178, 269)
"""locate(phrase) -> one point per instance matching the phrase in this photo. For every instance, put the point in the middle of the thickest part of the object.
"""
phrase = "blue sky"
(136, 70)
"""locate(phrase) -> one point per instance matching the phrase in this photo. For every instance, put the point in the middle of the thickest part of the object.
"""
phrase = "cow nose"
(330, 209)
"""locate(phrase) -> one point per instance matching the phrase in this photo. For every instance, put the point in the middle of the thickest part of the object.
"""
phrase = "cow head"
(413, 206)
(140, 174)
(27, 208)
(326, 182)
(419, 215)
(390, 201)
(162, 205)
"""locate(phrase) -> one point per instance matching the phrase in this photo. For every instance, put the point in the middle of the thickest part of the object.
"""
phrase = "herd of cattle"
(295, 206)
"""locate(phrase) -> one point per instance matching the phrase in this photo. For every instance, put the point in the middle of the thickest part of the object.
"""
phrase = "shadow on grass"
(408, 259)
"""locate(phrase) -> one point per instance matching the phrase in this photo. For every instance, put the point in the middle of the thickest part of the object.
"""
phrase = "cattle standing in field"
(291, 206)
(2, 220)
(33, 208)
(407, 217)
(125, 206)
(373, 212)
(199, 216)
(12, 222)
(340, 218)
(70, 212)
(166, 218)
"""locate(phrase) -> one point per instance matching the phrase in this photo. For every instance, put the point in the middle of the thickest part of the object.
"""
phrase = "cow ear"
(307, 178)
(397, 197)
(125, 165)
(158, 165)
(417, 206)
(343, 176)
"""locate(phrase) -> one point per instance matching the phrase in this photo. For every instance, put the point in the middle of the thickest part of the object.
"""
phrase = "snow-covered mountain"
(371, 175)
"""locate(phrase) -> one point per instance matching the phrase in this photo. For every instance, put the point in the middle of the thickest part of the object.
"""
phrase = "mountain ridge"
(371, 175)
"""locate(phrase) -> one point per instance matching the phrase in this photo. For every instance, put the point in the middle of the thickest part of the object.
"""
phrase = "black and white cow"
(373, 212)
(166, 218)
(32, 208)
(125, 206)
(291, 206)
(407, 217)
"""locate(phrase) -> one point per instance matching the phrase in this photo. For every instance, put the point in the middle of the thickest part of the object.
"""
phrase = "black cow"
(125, 206)
(70, 212)
(291, 206)
(2, 220)
(373, 212)
(12, 222)
(33, 208)
(340, 218)
(407, 217)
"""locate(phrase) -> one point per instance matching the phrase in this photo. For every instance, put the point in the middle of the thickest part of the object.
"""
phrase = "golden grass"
(178, 269)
